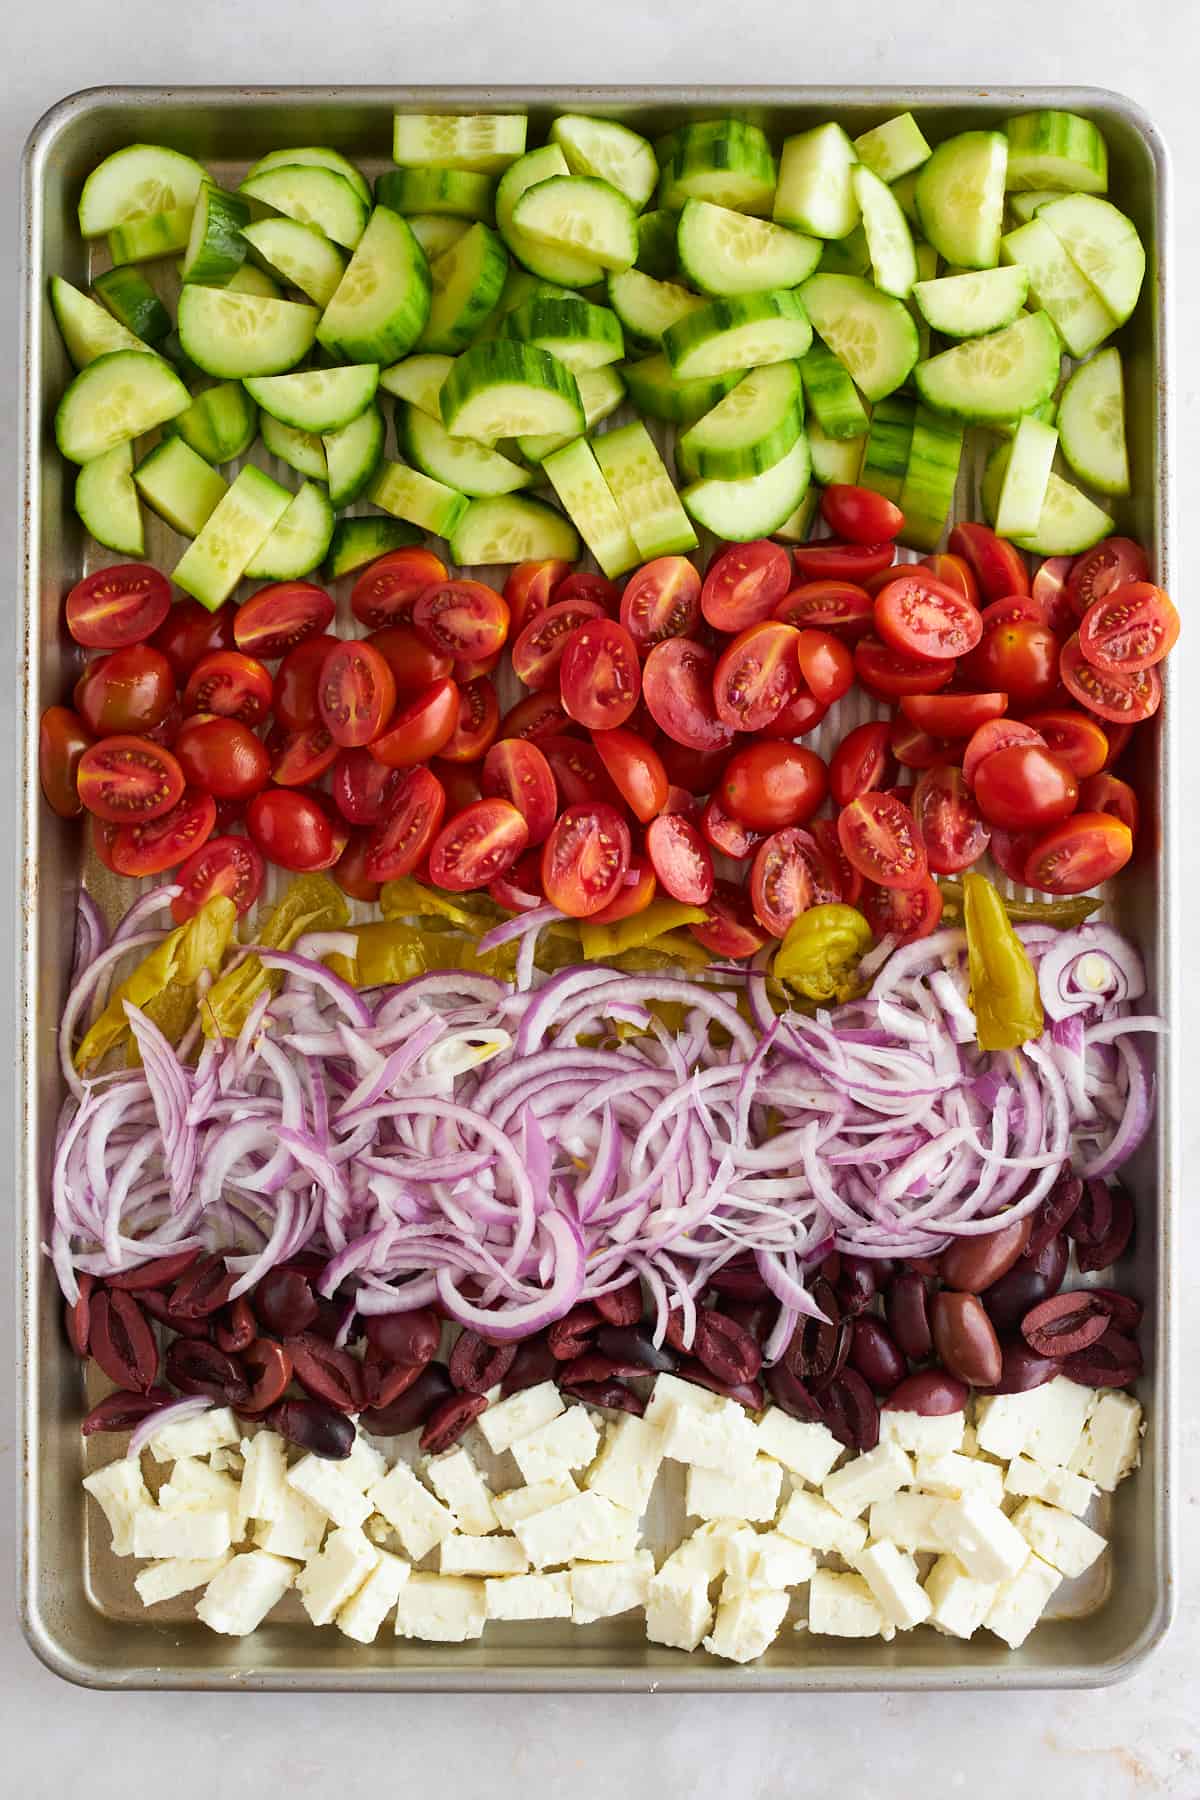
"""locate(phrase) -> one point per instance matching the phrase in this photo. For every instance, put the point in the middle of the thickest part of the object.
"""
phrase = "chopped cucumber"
(116, 397)
(1104, 246)
(1026, 475)
(314, 196)
(872, 334)
(565, 266)
(894, 148)
(353, 454)
(998, 376)
(724, 160)
(381, 306)
(485, 142)
(893, 259)
(846, 256)
(578, 215)
(213, 564)
(905, 190)
(180, 486)
(576, 333)
(645, 307)
(448, 193)
(87, 330)
(507, 388)
(925, 499)
(1070, 522)
(458, 462)
(155, 235)
(133, 303)
(960, 198)
(436, 232)
(1056, 150)
(317, 156)
(216, 248)
(357, 542)
(220, 423)
(798, 524)
(1091, 423)
(888, 450)
(724, 252)
(834, 459)
(659, 394)
(418, 379)
(299, 542)
(318, 400)
(511, 529)
(300, 450)
(741, 333)
(136, 182)
(1023, 206)
(575, 476)
(1056, 284)
(656, 243)
(969, 305)
(601, 391)
(249, 280)
(467, 282)
(235, 335)
(640, 485)
(107, 503)
(759, 505)
(816, 183)
(755, 425)
(831, 395)
(407, 494)
(610, 151)
(301, 254)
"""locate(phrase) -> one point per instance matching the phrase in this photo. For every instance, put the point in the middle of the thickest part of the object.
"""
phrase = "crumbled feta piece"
(985, 1543)
(1021, 1601)
(263, 1493)
(628, 1463)
(334, 1576)
(441, 1609)
(588, 1528)
(719, 1437)
(520, 1414)
(750, 1493)
(365, 1465)
(193, 1484)
(922, 1436)
(1058, 1428)
(457, 1482)
(462, 1555)
(380, 1532)
(198, 1436)
(568, 1442)
(522, 1503)
(1063, 1541)
(808, 1450)
(705, 1550)
(1111, 1444)
(226, 1461)
(907, 1520)
(177, 1575)
(530, 1597)
(339, 1498)
(844, 1606)
(296, 1531)
(1003, 1422)
(891, 1576)
(121, 1495)
(960, 1602)
(418, 1519)
(953, 1475)
(678, 1613)
(875, 1476)
(1059, 1487)
(239, 1596)
(187, 1532)
(362, 1616)
(670, 1394)
(811, 1521)
(602, 1590)
(748, 1622)
(780, 1563)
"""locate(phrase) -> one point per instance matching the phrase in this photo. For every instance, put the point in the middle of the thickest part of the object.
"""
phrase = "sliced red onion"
(172, 1412)
(1088, 970)
(519, 927)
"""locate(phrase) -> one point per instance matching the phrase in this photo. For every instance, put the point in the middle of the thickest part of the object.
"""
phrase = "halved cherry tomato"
(1118, 736)
(828, 606)
(585, 584)
(400, 841)
(889, 673)
(920, 616)
(744, 584)
(781, 885)
(831, 560)
(953, 833)
(300, 757)
(996, 734)
(355, 693)
(678, 685)
(222, 757)
(1010, 851)
(466, 619)
(127, 691)
(231, 685)
(295, 699)
(599, 676)
(952, 715)
(1014, 609)
(278, 617)
(419, 727)
(917, 749)
(681, 859)
(636, 893)
(802, 714)
(826, 666)
(770, 785)
(879, 836)
(151, 846)
(1079, 854)
(1105, 793)
(1125, 699)
(291, 829)
(350, 870)
(363, 789)
(168, 727)
(62, 740)
(731, 932)
(585, 859)
(859, 514)
(1075, 737)
(757, 675)
(1021, 659)
(661, 600)
(727, 834)
(956, 572)
(995, 564)
(847, 878)
(1131, 628)
(1025, 788)
(461, 782)
(579, 772)
(413, 661)
(224, 865)
(125, 778)
(117, 606)
(519, 888)
(478, 722)
(189, 632)
(860, 761)
(528, 589)
(824, 871)
(103, 835)
(535, 717)
(696, 771)
(1107, 565)
(1050, 592)
(678, 800)
(637, 770)
(516, 770)
(538, 651)
(388, 589)
(905, 915)
(477, 844)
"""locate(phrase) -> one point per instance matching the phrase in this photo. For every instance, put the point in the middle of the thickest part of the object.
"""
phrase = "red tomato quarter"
(117, 606)
(231, 685)
(681, 859)
(860, 761)
(995, 564)
(1107, 565)
(151, 846)
(770, 785)
(414, 662)
(905, 915)
(846, 877)
(859, 514)
(1025, 788)
(917, 749)
(879, 836)
(277, 618)
(516, 770)
(599, 676)
(295, 700)
(388, 589)
(635, 895)
(956, 572)
(678, 685)
(579, 774)
(1050, 593)
(535, 717)
(661, 600)
(1125, 699)
(1129, 629)
(781, 885)
(363, 789)
(948, 820)
(478, 722)
(1010, 851)
(1075, 737)
(826, 666)
(757, 675)
(921, 616)
(128, 691)
(829, 606)
(585, 584)
(1079, 854)
(355, 693)
(222, 757)
(830, 560)
(585, 859)
(300, 757)
(350, 870)
(727, 834)
(399, 843)
(419, 727)
(128, 778)
(636, 769)
(224, 865)
(744, 584)
(889, 673)
(62, 740)
(528, 589)
(802, 714)
(731, 931)
(996, 734)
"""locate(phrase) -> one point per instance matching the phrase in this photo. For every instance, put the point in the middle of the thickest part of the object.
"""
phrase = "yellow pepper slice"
(821, 952)
(164, 982)
(311, 903)
(1004, 985)
(644, 929)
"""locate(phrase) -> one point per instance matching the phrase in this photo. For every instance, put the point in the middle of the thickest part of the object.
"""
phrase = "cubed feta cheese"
(365, 1465)
(780, 1563)
(844, 1606)
(530, 1597)
(983, 1540)
(226, 1460)
(194, 1484)
(907, 1520)
(602, 1590)
(1003, 1422)
(198, 1436)
(719, 1437)
(748, 1621)
(520, 1414)
(239, 1596)
(706, 1550)
(441, 1609)
(953, 1475)
(568, 1442)
(747, 1493)
(418, 1519)
(457, 1482)
(296, 1531)
(362, 1616)
(323, 1482)
(670, 1393)
(1020, 1602)
(522, 1503)
(960, 1602)
(1111, 1444)
(462, 1555)
(121, 1495)
(741, 1554)
(1059, 1487)
(588, 1528)
(334, 1576)
(811, 1521)
(263, 1493)
(1063, 1541)
(808, 1450)
(628, 1463)
(178, 1575)
(880, 1473)
(677, 1609)
(1058, 1428)
(923, 1436)
(891, 1576)
(189, 1532)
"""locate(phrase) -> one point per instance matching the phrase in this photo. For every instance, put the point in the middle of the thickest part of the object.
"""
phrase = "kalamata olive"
(325, 1372)
(740, 1278)
(906, 1306)
(385, 1381)
(930, 1392)
(971, 1264)
(819, 1347)
(235, 1326)
(1022, 1368)
(569, 1335)
(201, 1289)
(1112, 1361)
(1027, 1282)
(790, 1394)
(874, 1354)
(407, 1337)
(623, 1306)
(629, 1343)
(593, 1368)
(76, 1317)
(330, 1322)
(923, 1265)
(1124, 1313)
(154, 1302)
(755, 1316)
(121, 1340)
(534, 1363)
(195, 1367)
(476, 1366)
(726, 1349)
(1054, 1213)
(284, 1302)
(1101, 1226)
(1065, 1323)
(611, 1394)
(313, 1426)
(122, 1410)
(432, 1386)
(268, 1369)
(849, 1409)
(965, 1338)
(746, 1393)
(857, 1284)
(675, 1331)
(157, 1274)
(449, 1420)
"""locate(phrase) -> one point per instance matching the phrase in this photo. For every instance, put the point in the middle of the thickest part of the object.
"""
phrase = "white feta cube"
(365, 1465)
(844, 1606)
(295, 1531)
(459, 1485)
(190, 1533)
(520, 1414)
(907, 1520)
(568, 1442)
(263, 1493)
(1003, 1422)
(953, 1475)
(986, 1544)
(1111, 1444)
(780, 1563)
(1063, 1541)
(121, 1495)
(670, 1393)
(935, 1435)
(522, 1503)
(239, 1596)
(678, 1613)
(720, 1437)
(462, 1555)
(334, 1576)
(628, 1463)
(198, 1436)
(194, 1484)
(588, 1528)
(748, 1622)
(602, 1590)
(891, 1576)
(705, 1551)
(750, 1493)
(441, 1609)
(811, 1521)
(808, 1450)
(959, 1602)
(226, 1460)
(1020, 1602)
(418, 1519)
(338, 1497)
(1058, 1487)
(530, 1597)
(875, 1476)
(1058, 1428)
(362, 1616)
(177, 1575)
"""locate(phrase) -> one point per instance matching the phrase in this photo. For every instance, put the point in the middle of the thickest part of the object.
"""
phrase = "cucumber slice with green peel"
(317, 400)
(998, 376)
(888, 449)
(300, 542)
(755, 425)
(133, 183)
(418, 379)
(905, 190)
(118, 396)
(107, 503)
(146, 239)
(436, 232)
(472, 468)
(604, 148)
(758, 506)
(133, 303)
(485, 142)
(927, 268)
(639, 483)
(216, 248)
(467, 282)
(88, 331)
(889, 241)
(893, 149)
(576, 333)
(315, 156)
(1056, 285)
(601, 391)
(235, 335)
(647, 307)
(930, 480)
(313, 196)
(353, 454)
(220, 424)
(834, 459)
(512, 528)
(724, 252)
(357, 542)
(742, 333)
(798, 524)
(960, 198)
(180, 486)
(575, 476)
(1104, 246)
(1047, 412)
(300, 450)
(407, 494)
(1056, 150)
(1091, 423)
(846, 256)
(1026, 476)
(508, 388)
(566, 267)
(871, 334)
(249, 280)
(1023, 206)
(577, 215)
(969, 305)
(520, 285)
(215, 561)
(1070, 522)
(656, 243)
(831, 395)
(301, 254)
(816, 183)
(726, 161)
(659, 394)
(448, 193)
(382, 303)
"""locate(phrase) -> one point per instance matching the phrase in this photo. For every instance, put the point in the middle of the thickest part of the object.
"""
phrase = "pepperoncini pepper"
(1004, 985)
(1075, 910)
(310, 903)
(820, 954)
(163, 984)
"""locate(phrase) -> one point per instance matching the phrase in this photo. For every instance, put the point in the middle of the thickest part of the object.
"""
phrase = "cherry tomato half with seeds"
(731, 932)
(847, 878)
(860, 761)
(920, 616)
(231, 685)
(413, 661)
(291, 829)
(62, 740)
(1125, 699)
(222, 757)
(888, 673)
(478, 723)
(636, 893)
(599, 676)
(520, 888)
(117, 606)
(300, 757)
(824, 872)
(585, 859)
(350, 870)
(1105, 793)
(466, 619)
(126, 692)
(996, 734)
(727, 834)
(677, 682)
(636, 770)
(1014, 609)
(757, 675)
(1079, 854)
(585, 584)
(516, 770)
(1111, 563)
(903, 914)
(661, 600)
(362, 788)
(529, 588)
(826, 666)
(1025, 788)
(955, 572)
(295, 698)
(355, 693)
(399, 843)
(388, 589)
(476, 845)
(681, 859)
(802, 714)
(419, 727)
(781, 881)
(948, 819)
(1075, 737)
(1050, 593)
(127, 778)
(997, 567)
(837, 606)
(224, 865)
(831, 560)
(1020, 659)
(744, 584)
(952, 715)
(917, 749)
(879, 836)
(579, 772)
(859, 514)
(678, 800)
(1010, 851)
(189, 632)
(536, 716)
(152, 846)
(537, 653)
(278, 617)
(770, 785)
(1129, 629)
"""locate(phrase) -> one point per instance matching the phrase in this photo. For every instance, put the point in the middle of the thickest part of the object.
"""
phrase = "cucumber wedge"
(656, 244)
(1026, 476)
(1056, 150)
(467, 282)
(318, 400)
(381, 306)
(645, 307)
(905, 190)
(997, 376)
(888, 450)
(893, 259)
(743, 333)
(601, 391)
(960, 198)
(1104, 246)
(575, 476)
(927, 494)
(577, 215)
(485, 142)
(566, 266)
(576, 333)
(610, 151)
(512, 529)
(872, 334)
(1023, 206)
(216, 248)
(507, 388)
(135, 182)
(441, 193)
(894, 148)
(88, 331)
(315, 156)
(436, 232)
(658, 394)
(407, 494)
(314, 196)
(213, 564)
(357, 542)
(133, 303)
(235, 335)
(299, 542)
(1056, 285)
(300, 450)
(969, 305)
(116, 397)
(301, 254)
(723, 252)
(847, 256)
(1070, 523)
(798, 524)
(726, 161)
(251, 280)
(179, 486)
(459, 463)
(748, 431)
(831, 395)
(418, 379)
(1091, 423)
(107, 503)
(640, 485)
(759, 506)
(154, 235)
(353, 454)
(834, 459)
(816, 184)
(220, 424)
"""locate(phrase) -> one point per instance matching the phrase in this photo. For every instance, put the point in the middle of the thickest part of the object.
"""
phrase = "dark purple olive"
(849, 1409)
(534, 1363)
(740, 1278)
(873, 1352)
(1055, 1212)
(629, 1343)
(970, 1265)
(415, 1404)
(907, 1308)
(1022, 1368)
(1027, 1283)
(313, 1426)
(857, 1283)
(284, 1302)
(965, 1337)
(790, 1394)
(407, 1337)
(930, 1392)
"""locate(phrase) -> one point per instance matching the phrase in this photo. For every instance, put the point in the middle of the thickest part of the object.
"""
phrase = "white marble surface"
(1140, 1739)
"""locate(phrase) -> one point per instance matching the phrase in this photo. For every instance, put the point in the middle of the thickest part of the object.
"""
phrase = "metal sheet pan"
(76, 1601)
